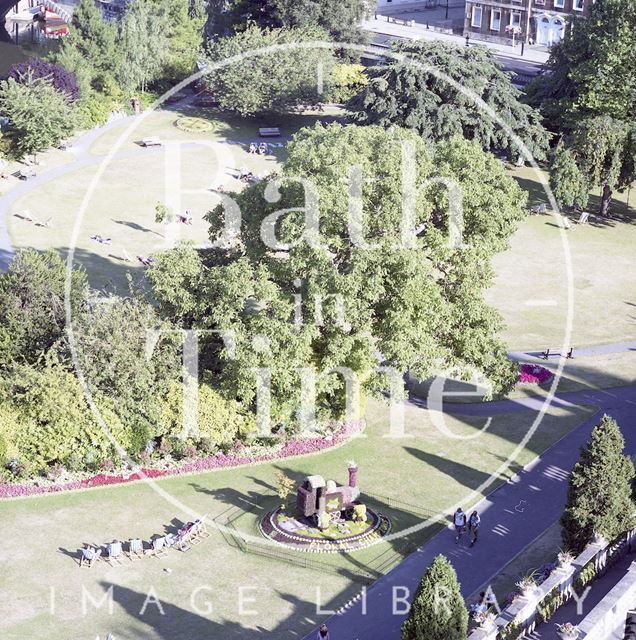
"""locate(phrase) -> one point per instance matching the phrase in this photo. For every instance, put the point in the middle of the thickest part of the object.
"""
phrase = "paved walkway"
(419, 31)
(512, 517)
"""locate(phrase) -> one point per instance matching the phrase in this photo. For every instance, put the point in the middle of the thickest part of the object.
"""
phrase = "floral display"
(239, 456)
(533, 374)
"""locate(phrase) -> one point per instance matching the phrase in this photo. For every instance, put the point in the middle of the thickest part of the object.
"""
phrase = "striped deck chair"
(89, 557)
(199, 530)
(157, 548)
(115, 553)
(135, 549)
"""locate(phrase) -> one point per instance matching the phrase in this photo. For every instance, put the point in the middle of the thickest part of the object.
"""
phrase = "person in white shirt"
(459, 520)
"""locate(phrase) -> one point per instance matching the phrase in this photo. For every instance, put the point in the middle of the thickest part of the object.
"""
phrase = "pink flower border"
(293, 448)
(533, 374)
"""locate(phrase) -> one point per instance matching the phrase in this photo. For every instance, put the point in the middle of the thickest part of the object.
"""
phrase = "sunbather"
(101, 239)
(146, 261)
(262, 148)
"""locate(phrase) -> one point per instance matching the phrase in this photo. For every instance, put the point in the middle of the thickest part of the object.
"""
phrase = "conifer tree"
(438, 611)
(600, 494)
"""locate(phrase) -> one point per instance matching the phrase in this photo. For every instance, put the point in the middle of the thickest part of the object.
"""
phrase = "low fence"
(388, 556)
(522, 616)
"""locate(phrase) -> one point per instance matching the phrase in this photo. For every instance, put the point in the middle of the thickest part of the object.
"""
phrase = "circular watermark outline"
(476, 493)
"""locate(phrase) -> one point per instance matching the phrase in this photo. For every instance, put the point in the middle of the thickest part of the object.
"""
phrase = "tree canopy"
(62, 80)
(32, 313)
(339, 20)
(599, 152)
(272, 81)
(40, 116)
(413, 92)
(592, 71)
(437, 611)
(420, 307)
(600, 492)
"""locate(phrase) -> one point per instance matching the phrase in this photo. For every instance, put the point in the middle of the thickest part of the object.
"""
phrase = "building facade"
(541, 22)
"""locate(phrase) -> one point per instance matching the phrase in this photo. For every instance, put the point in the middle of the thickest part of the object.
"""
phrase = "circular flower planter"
(300, 534)
(193, 125)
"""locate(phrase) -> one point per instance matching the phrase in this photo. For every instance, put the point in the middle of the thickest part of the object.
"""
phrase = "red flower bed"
(296, 447)
(533, 374)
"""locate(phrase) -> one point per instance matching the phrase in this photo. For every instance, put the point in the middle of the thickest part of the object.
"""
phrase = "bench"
(151, 142)
(269, 132)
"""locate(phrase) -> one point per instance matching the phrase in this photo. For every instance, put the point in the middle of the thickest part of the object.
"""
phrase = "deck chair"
(200, 530)
(115, 553)
(43, 223)
(126, 257)
(135, 549)
(583, 218)
(90, 557)
(158, 548)
(27, 215)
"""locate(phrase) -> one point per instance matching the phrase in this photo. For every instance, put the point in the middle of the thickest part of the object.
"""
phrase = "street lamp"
(446, 9)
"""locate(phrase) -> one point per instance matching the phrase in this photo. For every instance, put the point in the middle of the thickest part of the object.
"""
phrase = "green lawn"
(533, 271)
(425, 468)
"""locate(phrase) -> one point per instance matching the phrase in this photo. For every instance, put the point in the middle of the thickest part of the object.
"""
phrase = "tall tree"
(438, 611)
(277, 80)
(185, 23)
(419, 306)
(413, 92)
(144, 40)
(600, 152)
(62, 80)
(339, 20)
(592, 72)
(32, 313)
(600, 493)
(40, 116)
(95, 37)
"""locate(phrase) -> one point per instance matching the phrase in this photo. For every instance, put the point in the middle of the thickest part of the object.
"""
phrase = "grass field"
(425, 468)
(531, 284)
(531, 287)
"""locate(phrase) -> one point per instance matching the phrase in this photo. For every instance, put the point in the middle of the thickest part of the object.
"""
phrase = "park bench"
(269, 132)
(154, 141)
(402, 21)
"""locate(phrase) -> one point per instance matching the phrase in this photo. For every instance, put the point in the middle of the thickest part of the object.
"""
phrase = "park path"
(513, 517)
(83, 158)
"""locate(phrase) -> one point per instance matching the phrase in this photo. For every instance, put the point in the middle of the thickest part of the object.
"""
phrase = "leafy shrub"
(347, 81)
(219, 419)
(94, 110)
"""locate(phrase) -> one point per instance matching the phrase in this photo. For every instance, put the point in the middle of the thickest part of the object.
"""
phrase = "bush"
(219, 420)
(94, 110)
(348, 80)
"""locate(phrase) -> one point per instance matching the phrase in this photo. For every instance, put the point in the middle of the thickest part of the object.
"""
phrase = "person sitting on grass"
(101, 239)
(146, 261)
(253, 147)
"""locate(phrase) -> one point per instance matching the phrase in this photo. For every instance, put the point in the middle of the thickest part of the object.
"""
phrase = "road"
(523, 70)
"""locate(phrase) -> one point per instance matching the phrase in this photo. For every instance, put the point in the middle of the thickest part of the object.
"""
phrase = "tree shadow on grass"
(136, 226)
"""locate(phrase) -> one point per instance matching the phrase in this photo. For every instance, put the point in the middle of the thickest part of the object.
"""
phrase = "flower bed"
(295, 447)
(534, 374)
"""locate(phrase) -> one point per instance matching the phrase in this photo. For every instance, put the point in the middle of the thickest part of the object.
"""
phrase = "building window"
(559, 4)
(476, 22)
(578, 5)
(515, 19)
(495, 20)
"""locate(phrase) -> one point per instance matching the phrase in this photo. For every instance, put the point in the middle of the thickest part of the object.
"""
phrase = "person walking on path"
(473, 524)
(323, 633)
(459, 520)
